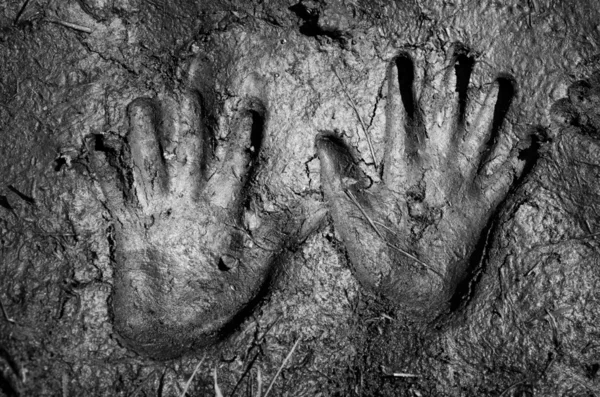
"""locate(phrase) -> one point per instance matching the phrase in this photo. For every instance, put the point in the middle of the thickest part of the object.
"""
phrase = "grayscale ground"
(214, 197)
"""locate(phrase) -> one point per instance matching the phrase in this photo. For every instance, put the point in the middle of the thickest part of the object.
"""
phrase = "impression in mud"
(193, 249)
(174, 225)
(448, 166)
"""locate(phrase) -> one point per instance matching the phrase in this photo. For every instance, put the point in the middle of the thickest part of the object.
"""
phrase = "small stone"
(251, 220)
(227, 262)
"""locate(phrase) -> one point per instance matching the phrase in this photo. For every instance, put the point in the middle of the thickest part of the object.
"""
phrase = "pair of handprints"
(196, 249)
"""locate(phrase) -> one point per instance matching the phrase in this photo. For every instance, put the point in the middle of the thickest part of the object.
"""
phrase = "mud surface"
(272, 76)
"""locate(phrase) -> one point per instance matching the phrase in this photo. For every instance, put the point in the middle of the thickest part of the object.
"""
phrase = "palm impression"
(448, 163)
(193, 248)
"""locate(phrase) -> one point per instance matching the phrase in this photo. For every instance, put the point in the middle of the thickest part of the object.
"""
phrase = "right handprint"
(449, 162)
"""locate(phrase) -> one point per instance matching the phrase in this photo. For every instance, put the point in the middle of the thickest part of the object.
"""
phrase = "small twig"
(362, 124)
(258, 382)
(584, 237)
(74, 26)
(554, 326)
(281, 367)
(425, 265)
(6, 316)
(218, 392)
(563, 241)
(257, 342)
(189, 382)
(404, 375)
(355, 201)
(372, 223)
(250, 236)
(161, 384)
(532, 269)
(142, 384)
(387, 372)
(384, 226)
(65, 384)
(21, 11)
(22, 196)
(532, 7)
(246, 372)
(513, 386)
(387, 317)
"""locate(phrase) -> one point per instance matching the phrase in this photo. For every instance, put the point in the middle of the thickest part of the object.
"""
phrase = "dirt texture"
(167, 226)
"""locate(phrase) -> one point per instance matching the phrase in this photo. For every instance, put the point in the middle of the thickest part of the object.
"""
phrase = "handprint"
(193, 248)
(446, 169)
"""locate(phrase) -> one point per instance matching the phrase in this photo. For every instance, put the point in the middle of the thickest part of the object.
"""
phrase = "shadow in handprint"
(448, 164)
(193, 248)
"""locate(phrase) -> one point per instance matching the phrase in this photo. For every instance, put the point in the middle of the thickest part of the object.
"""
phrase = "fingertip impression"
(529, 150)
(464, 64)
(507, 90)
(142, 112)
(105, 151)
(337, 159)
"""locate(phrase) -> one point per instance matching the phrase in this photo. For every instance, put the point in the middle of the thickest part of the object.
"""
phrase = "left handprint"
(193, 249)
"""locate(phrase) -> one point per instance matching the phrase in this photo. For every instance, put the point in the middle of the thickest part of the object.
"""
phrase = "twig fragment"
(71, 25)
(384, 226)
(6, 316)
(367, 217)
(65, 384)
(246, 372)
(405, 375)
(141, 384)
(512, 387)
(21, 11)
(189, 382)
(258, 340)
(387, 317)
(372, 223)
(553, 324)
(258, 382)
(218, 392)
(362, 124)
(281, 367)
(425, 265)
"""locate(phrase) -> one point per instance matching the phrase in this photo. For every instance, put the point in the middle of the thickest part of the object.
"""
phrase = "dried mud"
(525, 322)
